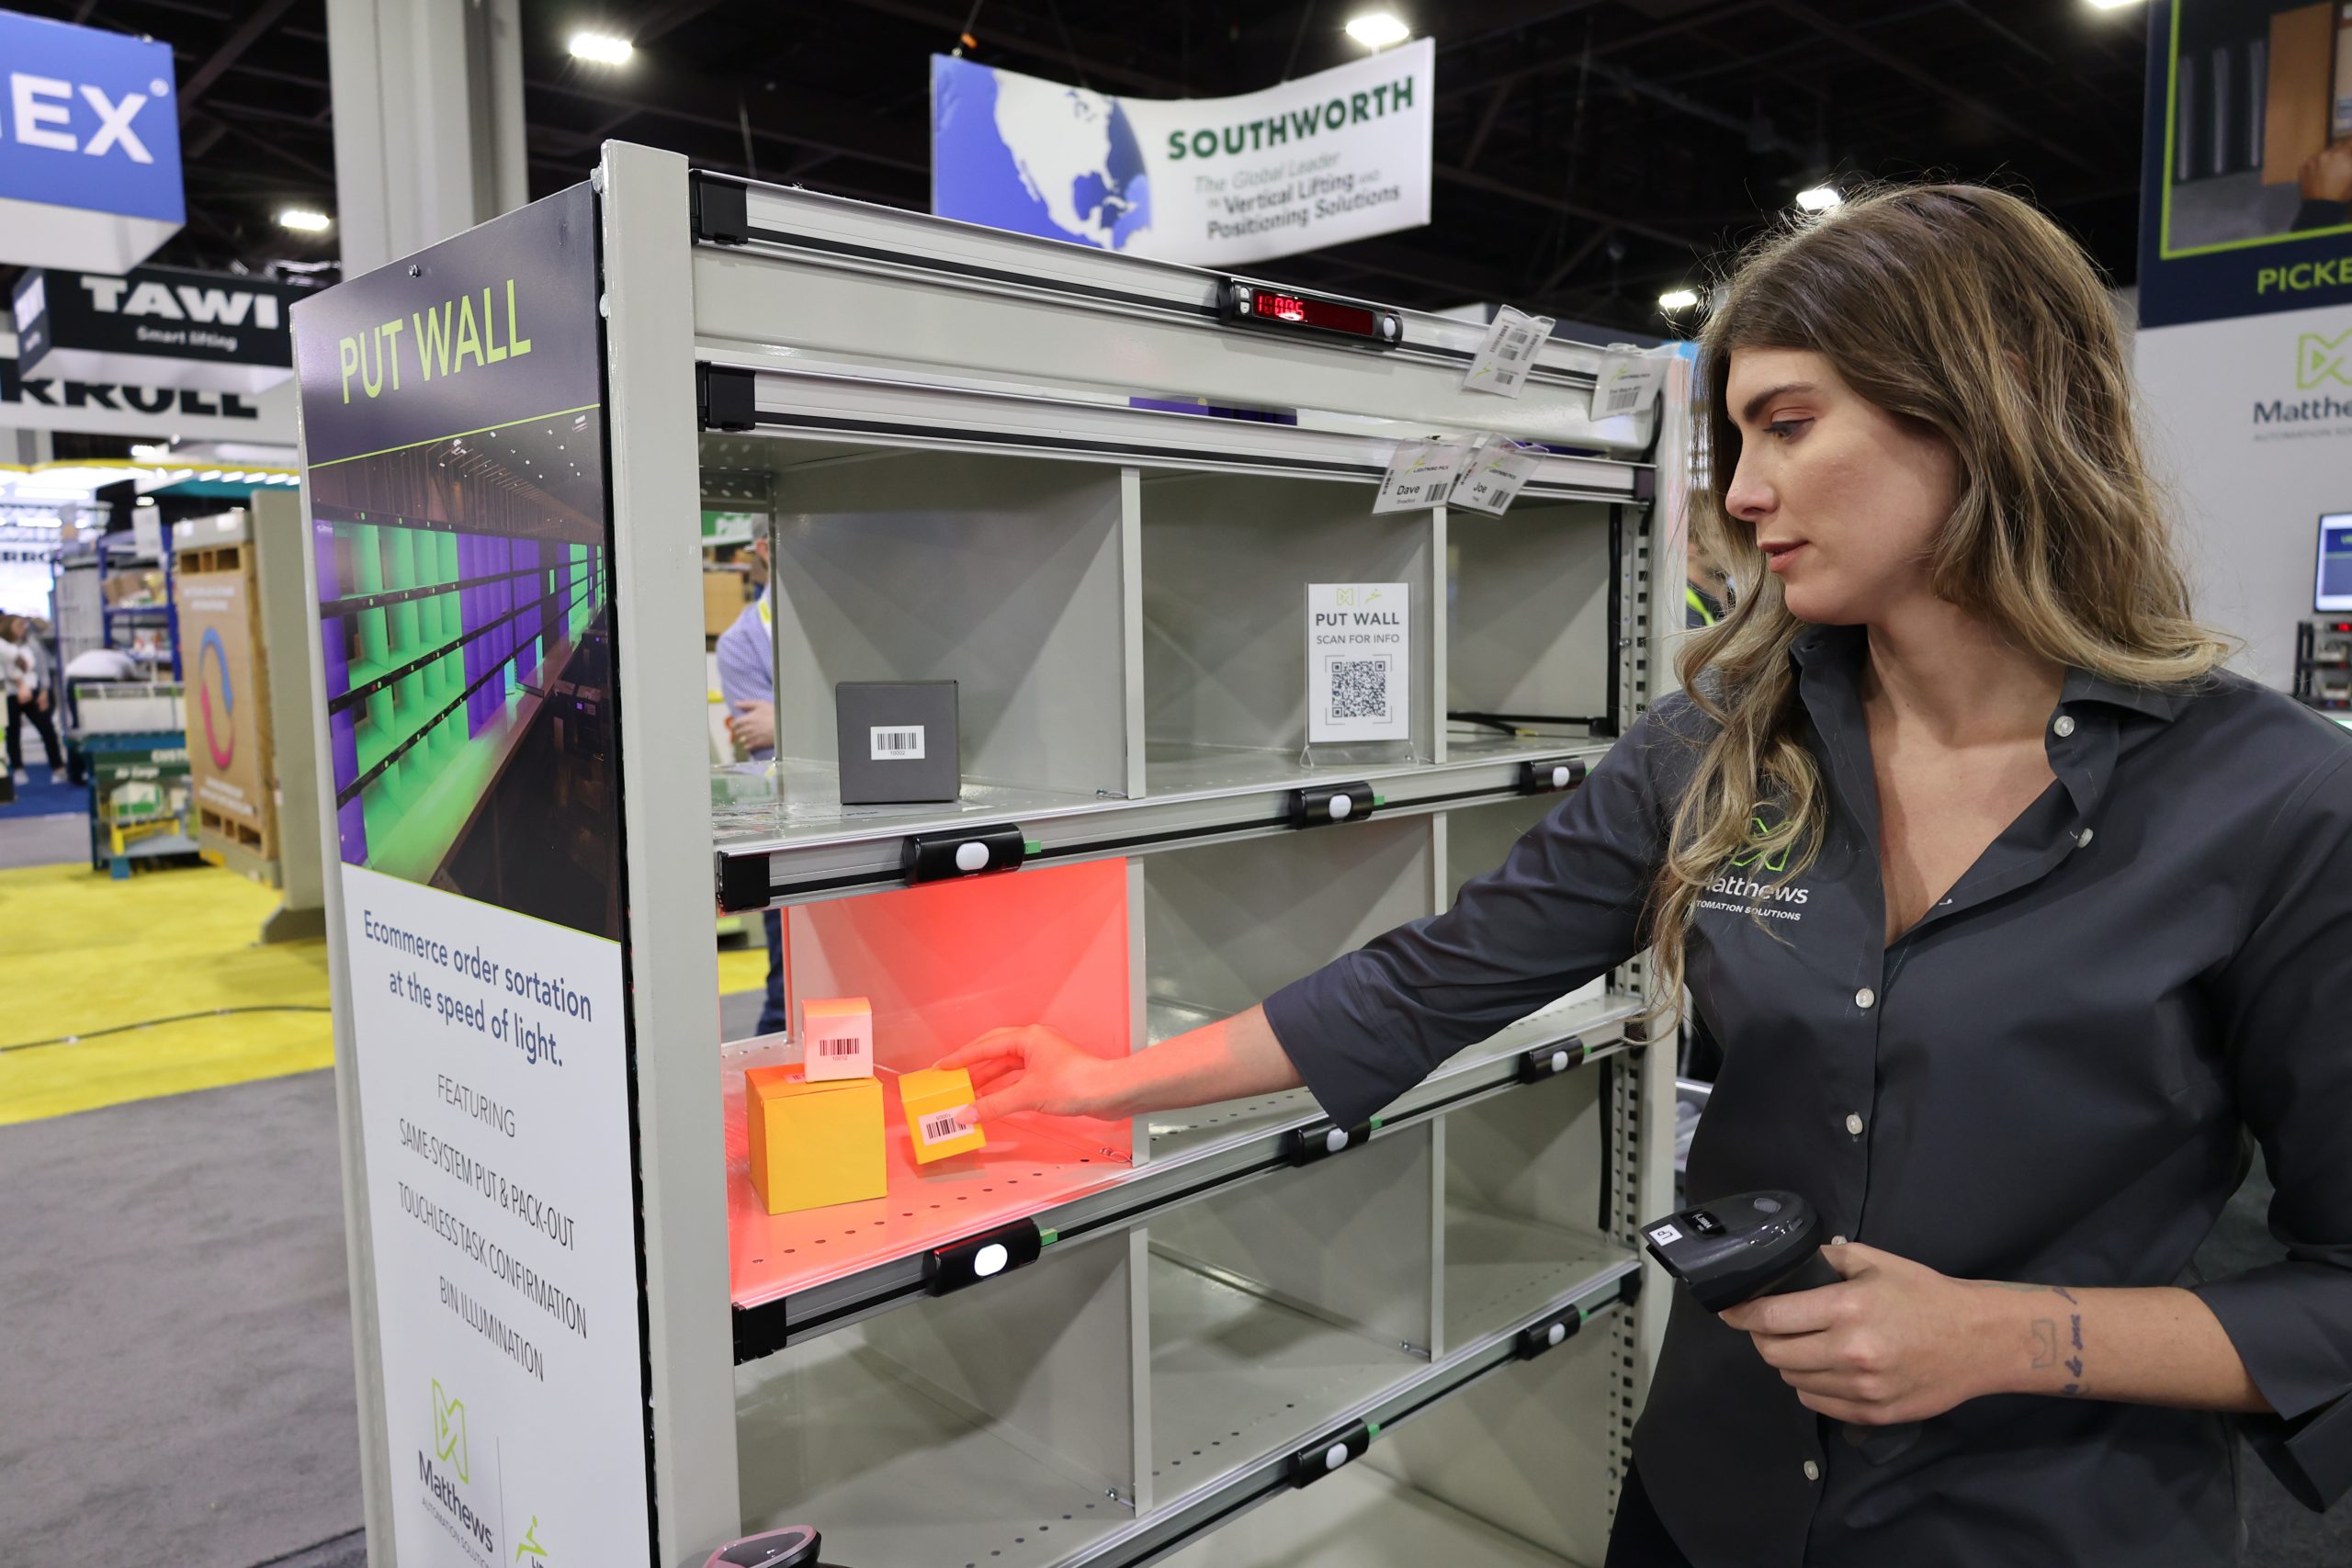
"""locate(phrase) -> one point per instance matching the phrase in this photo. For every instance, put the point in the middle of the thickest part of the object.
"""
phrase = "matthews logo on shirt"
(1761, 897)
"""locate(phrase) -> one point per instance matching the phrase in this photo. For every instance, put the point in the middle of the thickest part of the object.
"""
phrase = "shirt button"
(1854, 1125)
(1837, 1241)
(2082, 839)
(2064, 725)
(1865, 998)
(1811, 1470)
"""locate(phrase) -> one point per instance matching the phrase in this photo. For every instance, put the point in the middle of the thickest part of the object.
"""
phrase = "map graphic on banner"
(1336, 156)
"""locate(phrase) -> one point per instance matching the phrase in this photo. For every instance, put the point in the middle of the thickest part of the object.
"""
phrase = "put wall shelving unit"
(1225, 1331)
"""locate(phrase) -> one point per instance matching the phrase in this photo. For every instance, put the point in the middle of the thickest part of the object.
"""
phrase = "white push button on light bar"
(1560, 776)
(1559, 1061)
(990, 1259)
(1335, 1140)
(971, 857)
(1558, 1335)
(1341, 805)
(1335, 1456)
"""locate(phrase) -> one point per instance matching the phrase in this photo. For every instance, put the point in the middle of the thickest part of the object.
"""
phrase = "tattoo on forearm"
(2075, 1361)
(2045, 1344)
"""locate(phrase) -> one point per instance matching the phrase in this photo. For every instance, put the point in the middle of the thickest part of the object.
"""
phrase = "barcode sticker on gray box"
(897, 743)
(942, 1125)
(1512, 343)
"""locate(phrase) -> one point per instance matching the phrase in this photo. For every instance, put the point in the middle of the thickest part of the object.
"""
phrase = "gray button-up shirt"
(2048, 1078)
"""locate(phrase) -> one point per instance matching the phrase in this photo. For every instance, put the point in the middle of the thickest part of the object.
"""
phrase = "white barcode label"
(1490, 482)
(846, 1046)
(942, 1125)
(1420, 474)
(1512, 343)
(1666, 1235)
(897, 744)
(1629, 380)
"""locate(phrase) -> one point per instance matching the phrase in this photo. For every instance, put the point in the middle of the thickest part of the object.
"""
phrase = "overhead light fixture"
(2112, 5)
(600, 49)
(304, 220)
(1677, 299)
(1820, 199)
(1378, 30)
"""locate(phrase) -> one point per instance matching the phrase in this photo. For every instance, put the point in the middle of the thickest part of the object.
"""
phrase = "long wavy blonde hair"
(1967, 311)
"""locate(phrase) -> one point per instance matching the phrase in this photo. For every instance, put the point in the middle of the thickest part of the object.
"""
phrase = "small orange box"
(814, 1143)
(931, 1098)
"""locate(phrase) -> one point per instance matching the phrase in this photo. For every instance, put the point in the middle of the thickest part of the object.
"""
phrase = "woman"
(22, 665)
(2012, 911)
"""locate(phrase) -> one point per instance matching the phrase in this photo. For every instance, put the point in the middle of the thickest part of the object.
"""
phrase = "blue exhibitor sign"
(89, 146)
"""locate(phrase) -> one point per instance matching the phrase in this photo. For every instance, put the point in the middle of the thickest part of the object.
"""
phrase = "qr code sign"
(1359, 688)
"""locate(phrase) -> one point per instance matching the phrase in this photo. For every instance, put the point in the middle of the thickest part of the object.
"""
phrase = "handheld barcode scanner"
(793, 1546)
(1739, 1247)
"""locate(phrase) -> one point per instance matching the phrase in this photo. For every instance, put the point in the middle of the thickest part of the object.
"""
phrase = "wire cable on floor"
(151, 1024)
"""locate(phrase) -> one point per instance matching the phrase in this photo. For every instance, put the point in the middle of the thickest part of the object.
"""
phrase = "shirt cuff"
(2294, 1362)
(1322, 1029)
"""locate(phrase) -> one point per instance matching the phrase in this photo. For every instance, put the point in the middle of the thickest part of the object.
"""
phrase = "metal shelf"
(1362, 1518)
(1181, 1516)
(853, 1261)
(836, 410)
(899, 1471)
(813, 854)
(896, 291)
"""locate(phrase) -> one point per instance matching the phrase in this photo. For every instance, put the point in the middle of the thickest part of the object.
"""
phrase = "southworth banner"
(1336, 156)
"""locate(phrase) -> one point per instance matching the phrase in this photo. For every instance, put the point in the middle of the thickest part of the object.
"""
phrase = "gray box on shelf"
(897, 741)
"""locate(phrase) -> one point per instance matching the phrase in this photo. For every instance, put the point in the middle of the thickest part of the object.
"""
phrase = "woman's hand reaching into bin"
(1031, 1067)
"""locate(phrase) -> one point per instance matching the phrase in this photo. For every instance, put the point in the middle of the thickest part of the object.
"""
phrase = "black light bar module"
(1289, 311)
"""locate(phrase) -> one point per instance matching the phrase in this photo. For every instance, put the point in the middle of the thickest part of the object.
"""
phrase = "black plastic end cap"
(1645, 484)
(743, 881)
(721, 210)
(726, 397)
(1629, 1289)
(759, 1331)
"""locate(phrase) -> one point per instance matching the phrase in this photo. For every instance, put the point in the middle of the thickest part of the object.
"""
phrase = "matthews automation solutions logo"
(2323, 367)
(450, 1450)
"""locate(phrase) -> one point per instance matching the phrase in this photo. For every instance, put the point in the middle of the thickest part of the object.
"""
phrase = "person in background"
(747, 680)
(2326, 181)
(24, 667)
(1706, 590)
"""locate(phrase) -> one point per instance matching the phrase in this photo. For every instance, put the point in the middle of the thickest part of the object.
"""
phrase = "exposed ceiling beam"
(1933, 81)
(1486, 127)
(259, 20)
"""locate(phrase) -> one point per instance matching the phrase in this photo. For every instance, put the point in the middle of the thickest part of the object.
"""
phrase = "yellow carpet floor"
(83, 954)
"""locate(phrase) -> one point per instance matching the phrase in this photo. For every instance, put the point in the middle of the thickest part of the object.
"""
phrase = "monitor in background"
(2335, 590)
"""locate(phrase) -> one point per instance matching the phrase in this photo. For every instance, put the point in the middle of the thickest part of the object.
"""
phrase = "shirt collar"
(1824, 648)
